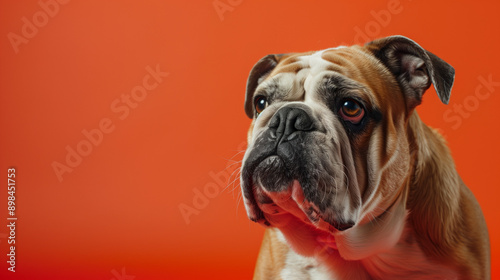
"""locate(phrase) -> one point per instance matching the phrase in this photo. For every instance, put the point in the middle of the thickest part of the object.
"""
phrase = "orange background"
(117, 213)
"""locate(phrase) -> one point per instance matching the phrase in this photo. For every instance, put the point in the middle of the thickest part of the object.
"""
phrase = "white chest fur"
(298, 267)
(404, 261)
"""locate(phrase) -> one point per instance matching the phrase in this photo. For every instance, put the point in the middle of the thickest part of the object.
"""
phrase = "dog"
(347, 179)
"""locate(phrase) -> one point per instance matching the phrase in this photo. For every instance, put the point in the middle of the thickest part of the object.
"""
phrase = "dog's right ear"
(414, 68)
(259, 73)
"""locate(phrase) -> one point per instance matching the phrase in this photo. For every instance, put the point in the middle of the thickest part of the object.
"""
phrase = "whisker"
(234, 162)
(239, 200)
(237, 171)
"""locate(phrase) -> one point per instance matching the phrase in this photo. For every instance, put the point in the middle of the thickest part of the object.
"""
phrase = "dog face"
(328, 153)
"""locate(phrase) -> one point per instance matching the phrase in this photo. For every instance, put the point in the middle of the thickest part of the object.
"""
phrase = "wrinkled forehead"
(300, 75)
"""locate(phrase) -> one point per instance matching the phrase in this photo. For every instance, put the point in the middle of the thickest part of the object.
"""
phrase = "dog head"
(328, 154)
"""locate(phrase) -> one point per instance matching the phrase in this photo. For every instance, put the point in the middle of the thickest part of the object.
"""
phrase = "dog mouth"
(290, 200)
(289, 209)
(275, 197)
(275, 184)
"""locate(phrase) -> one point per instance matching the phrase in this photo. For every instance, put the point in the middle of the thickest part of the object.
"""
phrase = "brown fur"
(444, 210)
(271, 257)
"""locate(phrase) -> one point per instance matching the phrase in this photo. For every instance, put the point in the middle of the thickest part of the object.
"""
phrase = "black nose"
(288, 121)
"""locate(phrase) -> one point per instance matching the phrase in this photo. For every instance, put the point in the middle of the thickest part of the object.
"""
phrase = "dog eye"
(260, 104)
(351, 111)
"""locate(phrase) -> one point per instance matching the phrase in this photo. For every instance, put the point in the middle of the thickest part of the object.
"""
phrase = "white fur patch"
(314, 64)
(298, 267)
(302, 268)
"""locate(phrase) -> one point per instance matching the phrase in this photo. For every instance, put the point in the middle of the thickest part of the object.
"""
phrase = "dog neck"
(429, 222)
(433, 197)
(434, 194)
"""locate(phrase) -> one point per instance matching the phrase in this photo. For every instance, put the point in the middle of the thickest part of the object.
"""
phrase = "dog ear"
(258, 74)
(414, 68)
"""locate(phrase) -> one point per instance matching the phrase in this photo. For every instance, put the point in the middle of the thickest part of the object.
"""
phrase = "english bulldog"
(348, 180)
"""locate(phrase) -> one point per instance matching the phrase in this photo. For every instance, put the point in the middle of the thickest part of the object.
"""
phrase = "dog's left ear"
(414, 68)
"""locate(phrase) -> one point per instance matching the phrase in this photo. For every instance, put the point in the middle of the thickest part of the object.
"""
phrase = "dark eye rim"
(255, 103)
(354, 120)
